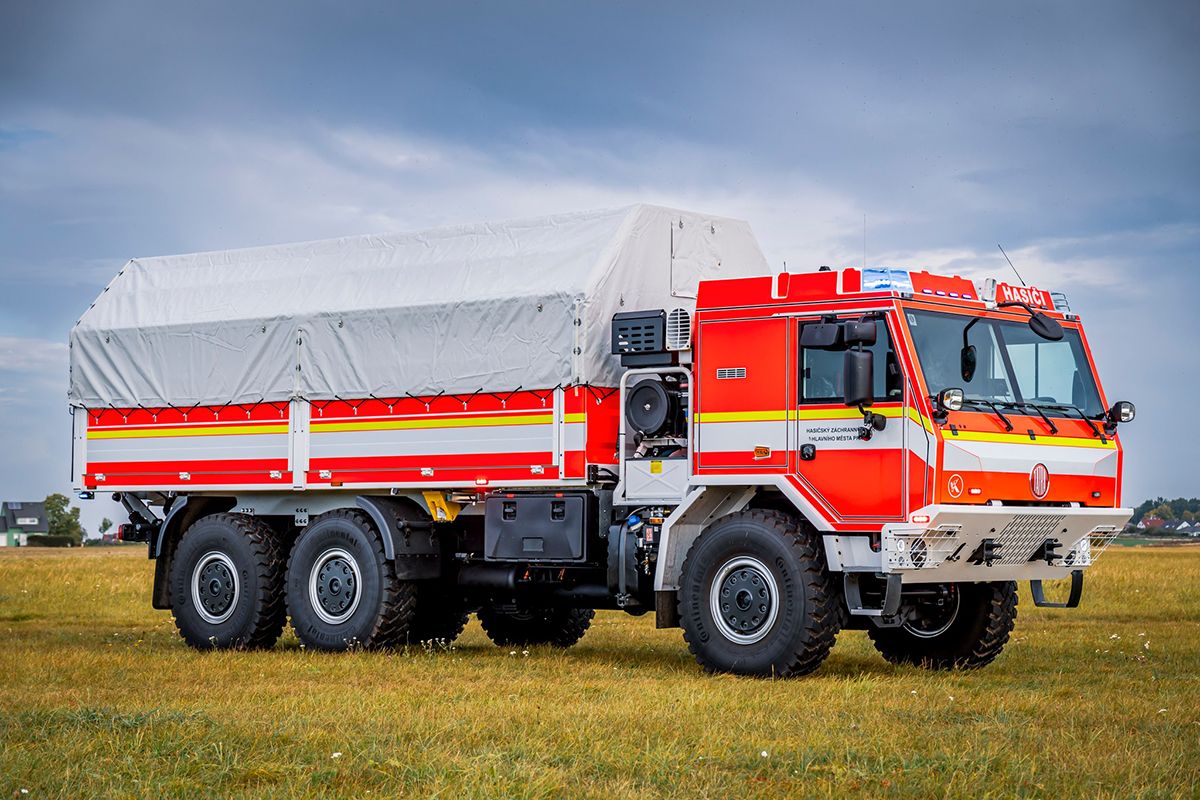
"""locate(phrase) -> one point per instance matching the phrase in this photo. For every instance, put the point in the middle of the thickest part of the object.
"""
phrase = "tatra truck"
(376, 436)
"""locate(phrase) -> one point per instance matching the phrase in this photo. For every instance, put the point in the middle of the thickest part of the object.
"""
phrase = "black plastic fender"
(409, 538)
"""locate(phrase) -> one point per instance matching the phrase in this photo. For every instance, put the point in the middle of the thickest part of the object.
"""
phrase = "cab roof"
(827, 285)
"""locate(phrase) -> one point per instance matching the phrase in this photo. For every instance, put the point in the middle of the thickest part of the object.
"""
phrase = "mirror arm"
(966, 329)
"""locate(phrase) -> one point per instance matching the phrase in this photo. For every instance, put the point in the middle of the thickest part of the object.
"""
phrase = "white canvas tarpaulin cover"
(455, 310)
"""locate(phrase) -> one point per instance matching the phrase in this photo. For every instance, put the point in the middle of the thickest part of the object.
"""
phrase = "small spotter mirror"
(1046, 327)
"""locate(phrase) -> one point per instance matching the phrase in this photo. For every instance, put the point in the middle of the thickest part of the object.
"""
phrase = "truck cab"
(930, 434)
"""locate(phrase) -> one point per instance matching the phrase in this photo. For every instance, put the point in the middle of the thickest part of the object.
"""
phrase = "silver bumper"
(950, 546)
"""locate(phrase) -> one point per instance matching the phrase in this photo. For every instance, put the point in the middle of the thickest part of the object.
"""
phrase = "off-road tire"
(256, 613)
(558, 626)
(806, 618)
(386, 606)
(979, 631)
(439, 619)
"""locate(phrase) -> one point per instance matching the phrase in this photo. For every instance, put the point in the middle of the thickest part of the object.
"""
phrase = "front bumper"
(950, 546)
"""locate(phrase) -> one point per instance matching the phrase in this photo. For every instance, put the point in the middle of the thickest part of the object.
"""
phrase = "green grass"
(99, 697)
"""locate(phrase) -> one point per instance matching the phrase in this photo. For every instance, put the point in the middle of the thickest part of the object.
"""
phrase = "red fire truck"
(377, 436)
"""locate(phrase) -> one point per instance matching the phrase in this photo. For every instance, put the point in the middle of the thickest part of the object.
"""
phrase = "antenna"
(864, 240)
(1014, 269)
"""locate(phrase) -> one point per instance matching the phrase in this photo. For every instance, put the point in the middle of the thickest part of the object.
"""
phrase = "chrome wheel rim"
(744, 600)
(335, 586)
(216, 587)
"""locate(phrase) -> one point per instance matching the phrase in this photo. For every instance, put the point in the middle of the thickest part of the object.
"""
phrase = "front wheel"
(965, 627)
(756, 599)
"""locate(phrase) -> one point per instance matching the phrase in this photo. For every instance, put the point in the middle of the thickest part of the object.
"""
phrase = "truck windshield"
(1016, 367)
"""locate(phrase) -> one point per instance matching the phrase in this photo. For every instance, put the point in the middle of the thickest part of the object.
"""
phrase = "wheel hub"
(933, 617)
(215, 587)
(744, 600)
(334, 584)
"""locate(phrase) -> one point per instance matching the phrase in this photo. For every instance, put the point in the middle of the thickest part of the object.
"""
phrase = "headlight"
(951, 399)
(1122, 411)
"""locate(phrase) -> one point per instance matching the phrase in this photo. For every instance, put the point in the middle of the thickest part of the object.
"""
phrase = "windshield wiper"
(1008, 426)
(1035, 407)
(1095, 431)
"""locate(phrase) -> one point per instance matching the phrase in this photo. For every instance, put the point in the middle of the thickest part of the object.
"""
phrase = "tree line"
(1184, 508)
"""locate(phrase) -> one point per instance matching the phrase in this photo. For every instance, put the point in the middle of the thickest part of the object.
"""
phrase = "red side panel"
(196, 447)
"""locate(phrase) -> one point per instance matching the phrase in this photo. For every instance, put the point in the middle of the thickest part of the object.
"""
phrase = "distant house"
(19, 519)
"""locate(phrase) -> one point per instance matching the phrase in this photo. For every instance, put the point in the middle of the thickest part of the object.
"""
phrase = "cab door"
(856, 478)
(743, 393)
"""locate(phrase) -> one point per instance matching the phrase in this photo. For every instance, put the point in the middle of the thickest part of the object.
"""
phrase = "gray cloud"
(1071, 138)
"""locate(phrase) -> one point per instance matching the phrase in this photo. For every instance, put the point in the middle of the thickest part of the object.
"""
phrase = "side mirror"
(968, 360)
(860, 331)
(822, 336)
(858, 377)
(1046, 327)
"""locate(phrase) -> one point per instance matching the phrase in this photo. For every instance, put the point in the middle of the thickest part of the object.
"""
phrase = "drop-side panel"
(186, 449)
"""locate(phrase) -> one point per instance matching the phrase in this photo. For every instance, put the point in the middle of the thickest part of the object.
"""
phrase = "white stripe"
(1003, 457)
(189, 448)
(574, 436)
(433, 441)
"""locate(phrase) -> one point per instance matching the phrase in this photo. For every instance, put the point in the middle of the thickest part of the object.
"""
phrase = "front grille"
(1024, 534)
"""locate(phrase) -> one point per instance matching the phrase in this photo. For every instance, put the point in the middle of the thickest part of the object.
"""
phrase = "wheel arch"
(712, 497)
(184, 510)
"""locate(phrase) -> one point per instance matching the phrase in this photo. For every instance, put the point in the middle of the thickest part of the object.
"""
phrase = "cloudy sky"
(1070, 133)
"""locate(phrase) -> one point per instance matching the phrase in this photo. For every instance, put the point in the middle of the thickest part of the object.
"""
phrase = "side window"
(821, 372)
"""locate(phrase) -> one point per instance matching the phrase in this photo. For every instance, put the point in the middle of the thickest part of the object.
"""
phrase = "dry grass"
(99, 697)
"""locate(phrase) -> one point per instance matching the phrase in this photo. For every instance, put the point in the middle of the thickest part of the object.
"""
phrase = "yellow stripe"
(1014, 438)
(745, 416)
(802, 414)
(409, 424)
(581, 417)
(165, 432)
(916, 416)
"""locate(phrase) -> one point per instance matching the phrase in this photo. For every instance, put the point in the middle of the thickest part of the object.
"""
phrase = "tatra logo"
(1039, 481)
(955, 485)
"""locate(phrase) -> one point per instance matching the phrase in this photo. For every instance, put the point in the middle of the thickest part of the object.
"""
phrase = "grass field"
(99, 697)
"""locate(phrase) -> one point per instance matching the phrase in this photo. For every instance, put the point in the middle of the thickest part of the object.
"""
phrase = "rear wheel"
(755, 597)
(439, 618)
(558, 626)
(966, 628)
(227, 583)
(342, 592)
